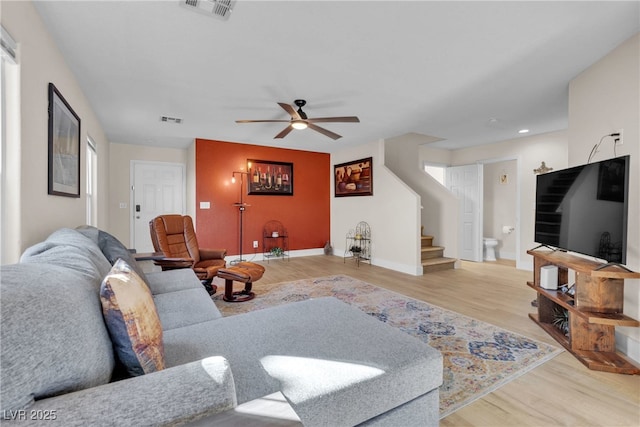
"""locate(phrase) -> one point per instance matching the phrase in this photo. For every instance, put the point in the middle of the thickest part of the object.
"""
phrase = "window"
(92, 173)
(9, 150)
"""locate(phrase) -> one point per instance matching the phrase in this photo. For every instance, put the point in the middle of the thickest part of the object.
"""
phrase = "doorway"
(471, 226)
(500, 206)
(157, 188)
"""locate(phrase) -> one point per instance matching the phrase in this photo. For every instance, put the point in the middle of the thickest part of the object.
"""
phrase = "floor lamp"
(241, 207)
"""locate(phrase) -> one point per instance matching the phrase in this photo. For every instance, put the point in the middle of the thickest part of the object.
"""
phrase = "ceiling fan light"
(299, 124)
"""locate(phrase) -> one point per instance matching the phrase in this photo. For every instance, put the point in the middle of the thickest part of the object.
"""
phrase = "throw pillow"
(132, 320)
(113, 249)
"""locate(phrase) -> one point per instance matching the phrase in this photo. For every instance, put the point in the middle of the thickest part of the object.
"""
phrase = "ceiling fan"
(299, 120)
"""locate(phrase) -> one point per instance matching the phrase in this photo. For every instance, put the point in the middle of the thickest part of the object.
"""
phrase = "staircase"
(431, 256)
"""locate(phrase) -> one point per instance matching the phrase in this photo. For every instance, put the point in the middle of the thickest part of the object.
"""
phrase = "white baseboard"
(257, 256)
(506, 255)
(628, 345)
(402, 268)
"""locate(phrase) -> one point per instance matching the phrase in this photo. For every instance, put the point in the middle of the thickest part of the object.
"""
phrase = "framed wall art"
(354, 178)
(270, 178)
(64, 146)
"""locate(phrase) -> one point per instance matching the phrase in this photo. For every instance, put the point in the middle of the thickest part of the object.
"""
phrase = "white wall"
(499, 205)
(120, 181)
(439, 207)
(603, 99)
(393, 213)
(40, 62)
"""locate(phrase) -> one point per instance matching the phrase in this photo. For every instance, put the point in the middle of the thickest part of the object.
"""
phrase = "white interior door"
(466, 183)
(156, 189)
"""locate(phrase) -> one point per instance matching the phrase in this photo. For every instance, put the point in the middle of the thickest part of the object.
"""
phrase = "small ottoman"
(245, 272)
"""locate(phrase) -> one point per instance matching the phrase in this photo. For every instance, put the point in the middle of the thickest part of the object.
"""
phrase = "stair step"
(438, 264)
(426, 241)
(430, 252)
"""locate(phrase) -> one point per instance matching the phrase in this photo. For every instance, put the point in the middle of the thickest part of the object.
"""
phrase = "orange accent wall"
(305, 215)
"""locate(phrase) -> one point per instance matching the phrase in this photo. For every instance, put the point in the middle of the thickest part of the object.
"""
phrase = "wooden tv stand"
(594, 310)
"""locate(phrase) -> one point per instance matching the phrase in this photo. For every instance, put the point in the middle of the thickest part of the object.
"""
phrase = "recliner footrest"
(245, 272)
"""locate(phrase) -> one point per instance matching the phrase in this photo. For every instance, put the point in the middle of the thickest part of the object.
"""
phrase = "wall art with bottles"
(270, 178)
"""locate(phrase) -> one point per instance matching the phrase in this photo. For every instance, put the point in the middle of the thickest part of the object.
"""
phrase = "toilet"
(489, 248)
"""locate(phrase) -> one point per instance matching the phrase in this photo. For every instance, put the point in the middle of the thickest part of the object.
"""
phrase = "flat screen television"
(584, 209)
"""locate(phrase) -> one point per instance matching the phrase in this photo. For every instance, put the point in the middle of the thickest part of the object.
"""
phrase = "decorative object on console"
(542, 169)
(270, 178)
(561, 319)
(549, 277)
(354, 178)
(64, 146)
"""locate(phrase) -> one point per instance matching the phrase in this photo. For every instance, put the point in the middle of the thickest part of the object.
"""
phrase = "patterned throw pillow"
(132, 320)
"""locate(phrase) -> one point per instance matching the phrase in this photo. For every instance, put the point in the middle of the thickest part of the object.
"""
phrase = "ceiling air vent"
(170, 120)
(220, 9)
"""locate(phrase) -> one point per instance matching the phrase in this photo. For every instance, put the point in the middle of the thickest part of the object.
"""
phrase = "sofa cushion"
(53, 335)
(69, 248)
(184, 308)
(161, 282)
(321, 353)
(112, 248)
(132, 320)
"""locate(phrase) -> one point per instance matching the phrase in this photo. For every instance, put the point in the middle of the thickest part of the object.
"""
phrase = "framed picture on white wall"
(64, 146)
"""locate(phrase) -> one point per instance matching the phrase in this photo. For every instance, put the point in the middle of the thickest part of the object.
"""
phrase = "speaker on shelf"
(549, 277)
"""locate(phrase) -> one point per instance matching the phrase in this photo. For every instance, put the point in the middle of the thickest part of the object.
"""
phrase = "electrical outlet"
(255, 244)
(618, 139)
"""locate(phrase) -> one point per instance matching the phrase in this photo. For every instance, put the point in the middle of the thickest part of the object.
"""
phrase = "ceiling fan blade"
(346, 119)
(324, 131)
(262, 121)
(289, 109)
(284, 132)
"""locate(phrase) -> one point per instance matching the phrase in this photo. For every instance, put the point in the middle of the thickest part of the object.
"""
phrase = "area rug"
(478, 357)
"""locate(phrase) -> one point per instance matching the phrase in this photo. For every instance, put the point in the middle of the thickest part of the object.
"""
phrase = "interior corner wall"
(393, 213)
(305, 214)
(41, 62)
(602, 99)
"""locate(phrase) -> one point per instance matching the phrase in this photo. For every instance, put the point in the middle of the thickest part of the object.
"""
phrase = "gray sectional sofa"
(334, 364)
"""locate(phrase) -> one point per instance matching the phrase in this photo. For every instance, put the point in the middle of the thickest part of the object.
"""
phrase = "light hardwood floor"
(561, 392)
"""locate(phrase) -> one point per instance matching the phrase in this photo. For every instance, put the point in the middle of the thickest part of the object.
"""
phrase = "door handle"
(137, 208)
